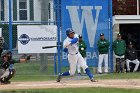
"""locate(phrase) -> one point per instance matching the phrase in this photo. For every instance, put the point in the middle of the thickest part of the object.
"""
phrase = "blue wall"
(89, 18)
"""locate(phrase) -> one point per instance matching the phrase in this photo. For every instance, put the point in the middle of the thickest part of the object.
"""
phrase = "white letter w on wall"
(87, 17)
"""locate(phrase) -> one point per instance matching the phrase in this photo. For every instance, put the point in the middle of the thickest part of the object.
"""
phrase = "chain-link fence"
(29, 12)
(50, 12)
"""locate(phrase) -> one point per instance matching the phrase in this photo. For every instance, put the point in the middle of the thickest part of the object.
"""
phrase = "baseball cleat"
(4, 82)
(93, 80)
(58, 78)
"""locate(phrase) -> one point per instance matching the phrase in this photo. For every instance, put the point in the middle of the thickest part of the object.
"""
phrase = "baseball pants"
(79, 67)
(136, 62)
(74, 60)
(103, 57)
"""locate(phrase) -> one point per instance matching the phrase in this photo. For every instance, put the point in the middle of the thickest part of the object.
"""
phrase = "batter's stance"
(70, 45)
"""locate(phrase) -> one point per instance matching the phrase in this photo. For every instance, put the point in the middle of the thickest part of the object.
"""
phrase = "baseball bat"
(49, 47)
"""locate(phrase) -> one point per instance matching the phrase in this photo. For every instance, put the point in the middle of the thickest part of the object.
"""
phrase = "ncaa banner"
(88, 18)
(32, 38)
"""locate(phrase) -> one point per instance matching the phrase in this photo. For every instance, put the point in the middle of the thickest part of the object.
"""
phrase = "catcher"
(7, 70)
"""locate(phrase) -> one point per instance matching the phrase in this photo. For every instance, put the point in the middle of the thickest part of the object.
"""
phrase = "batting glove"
(74, 40)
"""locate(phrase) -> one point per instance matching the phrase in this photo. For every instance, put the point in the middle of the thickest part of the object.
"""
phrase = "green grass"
(76, 90)
(19, 78)
(31, 72)
(53, 77)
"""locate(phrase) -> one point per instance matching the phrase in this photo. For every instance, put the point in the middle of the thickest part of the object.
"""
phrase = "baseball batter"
(71, 47)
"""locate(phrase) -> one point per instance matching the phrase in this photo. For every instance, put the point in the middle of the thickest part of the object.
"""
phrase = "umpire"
(119, 47)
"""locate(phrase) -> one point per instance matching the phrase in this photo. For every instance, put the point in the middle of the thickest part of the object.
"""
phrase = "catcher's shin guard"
(11, 74)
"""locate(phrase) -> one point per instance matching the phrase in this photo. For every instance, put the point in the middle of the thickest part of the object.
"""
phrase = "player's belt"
(73, 54)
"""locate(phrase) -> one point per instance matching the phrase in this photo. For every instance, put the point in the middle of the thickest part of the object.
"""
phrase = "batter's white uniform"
(79, 68)
(74, 57)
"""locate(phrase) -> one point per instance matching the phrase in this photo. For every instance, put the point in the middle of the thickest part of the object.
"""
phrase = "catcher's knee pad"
(11, 74)
(1, 72)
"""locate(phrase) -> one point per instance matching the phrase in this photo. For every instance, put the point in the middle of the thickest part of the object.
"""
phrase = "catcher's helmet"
(69, 31)
(6, 52)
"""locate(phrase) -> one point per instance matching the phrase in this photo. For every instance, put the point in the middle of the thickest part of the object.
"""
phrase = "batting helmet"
(69, 31)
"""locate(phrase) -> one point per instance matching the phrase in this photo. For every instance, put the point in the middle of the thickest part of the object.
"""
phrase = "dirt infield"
(125, 83)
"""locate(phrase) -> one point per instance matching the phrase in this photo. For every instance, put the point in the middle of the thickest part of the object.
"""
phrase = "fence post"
(55, 64)
(110, 39)
(59, 22)
(10, 25)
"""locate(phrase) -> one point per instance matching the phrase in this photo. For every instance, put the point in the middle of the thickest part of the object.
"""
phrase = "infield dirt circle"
(122, 83)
